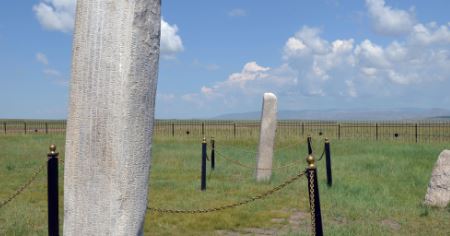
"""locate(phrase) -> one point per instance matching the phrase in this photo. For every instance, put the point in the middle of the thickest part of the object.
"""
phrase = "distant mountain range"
(348, 114)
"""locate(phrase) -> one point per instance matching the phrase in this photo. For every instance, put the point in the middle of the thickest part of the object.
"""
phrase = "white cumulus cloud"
(431, 34)
(252, 80)
(389, 21)
(342, 65)
(56, 14)
(315, 68)
(171, 42)
(59, 15)
(305, 42)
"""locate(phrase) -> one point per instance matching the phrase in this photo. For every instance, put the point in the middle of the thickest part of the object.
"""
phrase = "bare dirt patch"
(391, 224)
(297, 222)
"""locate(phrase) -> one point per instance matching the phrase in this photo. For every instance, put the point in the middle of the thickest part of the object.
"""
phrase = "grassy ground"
(377, 190)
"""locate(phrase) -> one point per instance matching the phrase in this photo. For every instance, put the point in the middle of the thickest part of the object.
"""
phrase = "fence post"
(4, 126)
(213, 153)
(308, 140)
(303, 129)
(203, 178)
(328, 162)
(25, 127)
(339, 131)
(52, 191)
(46, 127)
(203, 128)
(314, 199)
(416, 134)
(234, 129)
(173, 129)
(376, 131)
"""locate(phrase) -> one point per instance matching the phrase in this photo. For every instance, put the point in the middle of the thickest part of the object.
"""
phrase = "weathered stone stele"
(266, 137)
(111, 113)
(438, 192)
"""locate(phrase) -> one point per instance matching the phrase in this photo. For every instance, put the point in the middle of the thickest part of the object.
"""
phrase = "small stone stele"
(266, 137)
(438, 192)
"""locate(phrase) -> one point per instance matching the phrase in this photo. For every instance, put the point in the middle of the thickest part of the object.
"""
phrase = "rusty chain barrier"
(310, 173)
(24, 186)
(231, 205)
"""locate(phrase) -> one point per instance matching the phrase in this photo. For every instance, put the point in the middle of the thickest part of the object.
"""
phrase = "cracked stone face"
(266, 137)
(438, 192)
(111, 115)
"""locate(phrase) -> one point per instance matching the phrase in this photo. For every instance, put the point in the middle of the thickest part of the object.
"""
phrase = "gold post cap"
(311, 162)
(204, 140)
(326, 140)
(52, 149)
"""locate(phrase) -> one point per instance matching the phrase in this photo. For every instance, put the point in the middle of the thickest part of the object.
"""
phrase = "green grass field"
(378, 188)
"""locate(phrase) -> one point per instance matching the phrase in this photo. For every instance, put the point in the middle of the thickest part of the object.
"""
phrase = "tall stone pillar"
(266, 137)
(111, 116)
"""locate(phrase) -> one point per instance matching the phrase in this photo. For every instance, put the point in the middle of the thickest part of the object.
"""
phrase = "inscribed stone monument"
(111, 115)
(266, 137)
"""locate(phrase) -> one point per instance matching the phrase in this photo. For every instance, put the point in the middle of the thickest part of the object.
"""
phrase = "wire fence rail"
(407, 131)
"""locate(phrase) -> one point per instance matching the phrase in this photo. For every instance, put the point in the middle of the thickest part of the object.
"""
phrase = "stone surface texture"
(111, 114)
(438, 192)
(266, 137)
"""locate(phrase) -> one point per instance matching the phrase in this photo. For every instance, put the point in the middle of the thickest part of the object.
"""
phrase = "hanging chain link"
(232, 205)
(312, 201)
(321, 156)
(23, 187)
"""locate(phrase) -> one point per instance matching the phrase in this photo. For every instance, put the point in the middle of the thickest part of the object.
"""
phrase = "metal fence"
(407, 131)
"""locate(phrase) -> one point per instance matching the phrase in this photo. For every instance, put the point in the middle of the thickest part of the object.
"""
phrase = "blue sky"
(220, 56)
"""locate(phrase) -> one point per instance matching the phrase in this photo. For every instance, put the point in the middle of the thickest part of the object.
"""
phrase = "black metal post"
(213, 153)
(52, 191)
(46, 128)
(309, 145)
(4, 126)
(173, 129)
(234, 129)
(328, 162)
(25, 127)
(314, 199)
(203, 179)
